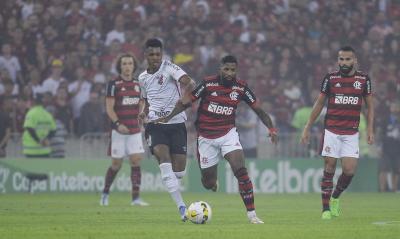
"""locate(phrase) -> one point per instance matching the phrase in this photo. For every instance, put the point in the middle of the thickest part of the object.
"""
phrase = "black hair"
(228, 59)
(154, 42)
(347, 48)
(118, 64)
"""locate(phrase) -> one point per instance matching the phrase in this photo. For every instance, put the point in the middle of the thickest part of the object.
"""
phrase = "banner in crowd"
(268, 176)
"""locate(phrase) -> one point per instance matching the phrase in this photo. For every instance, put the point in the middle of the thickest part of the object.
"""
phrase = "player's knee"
(208, 183)
(180, 174)
(116, 166)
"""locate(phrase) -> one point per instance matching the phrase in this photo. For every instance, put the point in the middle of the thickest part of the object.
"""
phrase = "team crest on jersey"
(327, 149)
(234, 95)
(160, 79)
(357, 85)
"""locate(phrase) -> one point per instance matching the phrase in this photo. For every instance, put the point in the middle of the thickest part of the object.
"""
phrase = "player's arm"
(370, 118)
(188, 86)
(143, 109)
(110, 103)
(316, 111)
(267, 121)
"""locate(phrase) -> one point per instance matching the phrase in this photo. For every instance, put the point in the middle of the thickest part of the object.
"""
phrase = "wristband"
(273, 131)
(116, 123)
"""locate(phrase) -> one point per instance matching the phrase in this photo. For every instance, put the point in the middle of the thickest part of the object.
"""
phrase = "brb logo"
(346, 100)
(130, 101)
(218, 109)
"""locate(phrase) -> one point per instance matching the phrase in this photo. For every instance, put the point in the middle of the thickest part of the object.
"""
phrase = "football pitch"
(75, 215)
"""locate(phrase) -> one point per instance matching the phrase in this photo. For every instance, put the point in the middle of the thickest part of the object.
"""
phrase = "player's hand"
(161, 120)
(45, 142)
(305, 136)
(273, 133)
(123, 129)
(142, 116)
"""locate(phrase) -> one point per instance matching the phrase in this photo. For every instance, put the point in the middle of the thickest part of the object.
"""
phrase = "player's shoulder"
(169, 64)
(241, 82)
(332, 75)
(361, 75)
(142, 75)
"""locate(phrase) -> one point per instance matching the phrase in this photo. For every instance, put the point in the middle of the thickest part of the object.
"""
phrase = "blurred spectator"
(10, 62)
(80, 93)
(5, 127)
(92, 115)
(51, 84)
(39, 127)
(246, 123)
(391, 149)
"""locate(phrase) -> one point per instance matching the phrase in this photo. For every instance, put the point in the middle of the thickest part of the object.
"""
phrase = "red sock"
(136, 181)
(326, 189)
(245, 188)
(342, 183)
(110, 175)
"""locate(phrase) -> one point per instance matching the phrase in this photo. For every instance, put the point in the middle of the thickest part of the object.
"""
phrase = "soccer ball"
(199, 212)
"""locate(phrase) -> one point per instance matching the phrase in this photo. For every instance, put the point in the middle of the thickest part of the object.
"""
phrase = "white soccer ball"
(199, 212)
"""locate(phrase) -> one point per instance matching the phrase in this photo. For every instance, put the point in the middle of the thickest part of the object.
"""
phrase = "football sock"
(136, 181)
(326, 189)
(171, 183)
(110, 175)
(342, 183)
(245, 188)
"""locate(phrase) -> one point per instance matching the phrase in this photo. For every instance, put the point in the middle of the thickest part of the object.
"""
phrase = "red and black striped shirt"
(345, 94)
(217, 109)
(127, 97)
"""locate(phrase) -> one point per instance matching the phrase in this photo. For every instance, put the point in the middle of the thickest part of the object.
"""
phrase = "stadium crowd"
(65, 50)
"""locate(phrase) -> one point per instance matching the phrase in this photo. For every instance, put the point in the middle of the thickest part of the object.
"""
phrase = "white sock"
(171, 183)
(251, 214)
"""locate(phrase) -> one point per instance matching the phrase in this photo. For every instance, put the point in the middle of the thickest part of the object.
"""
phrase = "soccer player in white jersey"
(162, 85)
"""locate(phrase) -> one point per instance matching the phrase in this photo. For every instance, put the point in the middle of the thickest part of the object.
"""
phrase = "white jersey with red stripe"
(162, 91)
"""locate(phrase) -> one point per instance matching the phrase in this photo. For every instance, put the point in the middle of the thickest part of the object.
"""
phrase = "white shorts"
(212, 150)
(125, 144)
(339, 146)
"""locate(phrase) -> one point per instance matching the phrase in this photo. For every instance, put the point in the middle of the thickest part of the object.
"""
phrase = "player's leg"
(330, 153)
(134, 146)
(178, 149)
(209, 177)
(349, 153)
(232, 151)
(112, 171)
(117, 152)
(161, 150)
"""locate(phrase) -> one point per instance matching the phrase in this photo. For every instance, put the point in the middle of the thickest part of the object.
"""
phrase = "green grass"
(286, 216)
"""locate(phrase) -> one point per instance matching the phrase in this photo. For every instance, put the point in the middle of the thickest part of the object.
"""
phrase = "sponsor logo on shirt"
(346, 100)
(338, 85)
(130, 100)
(219, 109)
(212, 84)
(238, 88)
(252, 100)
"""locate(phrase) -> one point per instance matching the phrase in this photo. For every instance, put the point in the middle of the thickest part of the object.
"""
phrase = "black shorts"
(172, 135)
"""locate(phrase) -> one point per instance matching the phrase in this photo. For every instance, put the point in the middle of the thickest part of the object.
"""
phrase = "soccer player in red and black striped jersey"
(344, 91)
(220, 95)
(123, 104)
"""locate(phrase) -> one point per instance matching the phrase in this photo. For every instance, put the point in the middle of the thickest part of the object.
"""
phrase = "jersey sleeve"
(249, 97)
(143, 93)
(367, 87)
(199, 91)
(175, 71)
(110, 89)
(325, 85)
